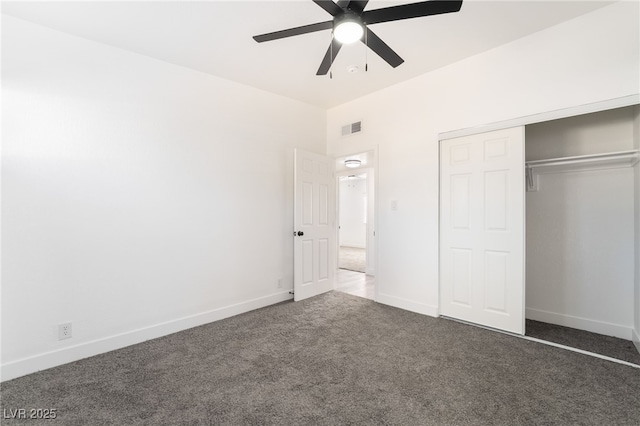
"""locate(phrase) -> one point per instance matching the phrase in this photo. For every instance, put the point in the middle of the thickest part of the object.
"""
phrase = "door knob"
(300, 233)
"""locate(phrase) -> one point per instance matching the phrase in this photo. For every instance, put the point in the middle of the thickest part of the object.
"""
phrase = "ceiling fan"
(350, 23)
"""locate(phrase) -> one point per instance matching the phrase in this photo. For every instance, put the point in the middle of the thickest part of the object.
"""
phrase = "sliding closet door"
(482, 229)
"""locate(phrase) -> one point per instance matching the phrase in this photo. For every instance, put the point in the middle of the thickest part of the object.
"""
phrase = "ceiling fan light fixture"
(348, 31)
(350, 23)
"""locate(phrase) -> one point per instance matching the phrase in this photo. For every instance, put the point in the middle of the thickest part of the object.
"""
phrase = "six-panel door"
(314, 244)
(482, 229)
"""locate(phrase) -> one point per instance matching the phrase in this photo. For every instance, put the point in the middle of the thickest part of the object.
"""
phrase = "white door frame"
(544, 116)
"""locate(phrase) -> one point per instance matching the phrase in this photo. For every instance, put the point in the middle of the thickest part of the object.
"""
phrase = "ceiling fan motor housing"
(347, 16)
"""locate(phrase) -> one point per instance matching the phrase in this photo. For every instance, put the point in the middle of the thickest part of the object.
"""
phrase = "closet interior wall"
(581, 238)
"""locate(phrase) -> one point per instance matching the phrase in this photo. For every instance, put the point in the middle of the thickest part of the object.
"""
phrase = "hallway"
(355, 283)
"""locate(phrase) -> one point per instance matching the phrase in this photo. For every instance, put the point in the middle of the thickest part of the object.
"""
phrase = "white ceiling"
(215, 37)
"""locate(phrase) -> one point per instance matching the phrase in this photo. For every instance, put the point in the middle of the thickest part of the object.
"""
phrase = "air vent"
(352, 128)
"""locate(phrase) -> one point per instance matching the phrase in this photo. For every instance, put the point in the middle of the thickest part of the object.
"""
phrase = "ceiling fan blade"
(329, 57)
(376, 44)
(413, 10)
(294, 31)
(329, 6)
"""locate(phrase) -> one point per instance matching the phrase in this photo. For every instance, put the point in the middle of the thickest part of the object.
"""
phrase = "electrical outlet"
(64, 331)
(279, 282)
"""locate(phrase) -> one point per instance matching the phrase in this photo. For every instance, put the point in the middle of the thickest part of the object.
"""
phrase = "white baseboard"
(408, 305)
(599, 327)
(32, 364)
(636, 339)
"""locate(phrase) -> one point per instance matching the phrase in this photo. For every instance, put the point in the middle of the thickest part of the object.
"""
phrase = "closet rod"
(581, 159)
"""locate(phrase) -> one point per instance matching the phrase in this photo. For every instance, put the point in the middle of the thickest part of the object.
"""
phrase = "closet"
(577, 187)
(580, 248)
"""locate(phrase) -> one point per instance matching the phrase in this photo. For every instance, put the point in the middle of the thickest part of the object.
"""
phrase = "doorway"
(352, 222)
(355, 191)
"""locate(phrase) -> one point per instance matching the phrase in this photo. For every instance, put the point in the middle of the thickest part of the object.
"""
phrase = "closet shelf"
(585, 162)
(610, 160)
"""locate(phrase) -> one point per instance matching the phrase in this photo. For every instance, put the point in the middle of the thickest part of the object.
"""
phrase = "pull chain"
(366, 50)
(331, 57)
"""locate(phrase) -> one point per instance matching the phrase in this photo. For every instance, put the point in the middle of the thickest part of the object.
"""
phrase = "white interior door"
(482, 229)
(314, 232)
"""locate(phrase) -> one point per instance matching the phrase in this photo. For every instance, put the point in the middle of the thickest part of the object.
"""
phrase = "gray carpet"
(333, 359)
(592, 342)
(352, 259)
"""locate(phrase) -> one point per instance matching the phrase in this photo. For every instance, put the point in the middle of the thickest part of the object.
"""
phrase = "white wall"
(580, 244)
(353, 228)
(139, 197)
(561, 67)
